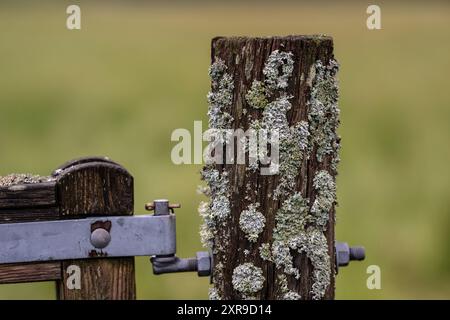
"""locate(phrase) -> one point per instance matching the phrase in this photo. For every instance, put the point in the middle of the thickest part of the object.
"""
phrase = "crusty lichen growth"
(323, 113)
(300, 228)
(256, 96)
(293, 140)
(252, 222)
(314, 243)
(285, 292)
(22, 178)
(300, 222)
(248, 279)
(305, 232)
(292, 152)
(290, 222)
(290, 218)
(217, 210)
(324, 184)
(278, 60)
(214, 294)
(220, 97)
(264, 252)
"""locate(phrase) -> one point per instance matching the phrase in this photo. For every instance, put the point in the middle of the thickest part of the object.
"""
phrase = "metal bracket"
(118, 236)
(202, 263)
(90, 237)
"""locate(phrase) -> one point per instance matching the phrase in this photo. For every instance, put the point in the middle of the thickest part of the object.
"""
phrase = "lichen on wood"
(248, 279)
(252, 222)
(23, 178)
(277, 230)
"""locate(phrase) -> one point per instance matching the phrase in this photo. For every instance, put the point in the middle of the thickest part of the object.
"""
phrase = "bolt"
(345, 254)
(100, 238)
(203, 264)
(161, 206)
(357, 253)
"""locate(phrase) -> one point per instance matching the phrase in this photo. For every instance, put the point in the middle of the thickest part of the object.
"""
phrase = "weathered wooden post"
(96, 187)
(272, 235)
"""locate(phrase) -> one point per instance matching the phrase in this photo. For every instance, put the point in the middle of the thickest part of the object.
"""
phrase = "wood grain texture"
(28, 214)
(245, 59)
(24, 203)
(101, 279)
(28, 195)
(97, 188)
(30, 272)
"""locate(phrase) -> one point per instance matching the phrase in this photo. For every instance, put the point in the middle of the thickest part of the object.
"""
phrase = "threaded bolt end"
(357, 253)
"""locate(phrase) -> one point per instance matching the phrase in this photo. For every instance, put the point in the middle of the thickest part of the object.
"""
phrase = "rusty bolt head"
(203, 264)
(100, 238)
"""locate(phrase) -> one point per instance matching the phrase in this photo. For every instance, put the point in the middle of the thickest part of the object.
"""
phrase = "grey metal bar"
(144, 235)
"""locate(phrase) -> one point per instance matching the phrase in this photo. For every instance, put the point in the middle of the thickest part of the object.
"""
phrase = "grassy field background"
(136, 71)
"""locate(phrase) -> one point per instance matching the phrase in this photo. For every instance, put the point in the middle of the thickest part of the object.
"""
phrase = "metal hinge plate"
(145, 235)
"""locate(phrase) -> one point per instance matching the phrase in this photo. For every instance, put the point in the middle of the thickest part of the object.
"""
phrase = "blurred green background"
(136, 71)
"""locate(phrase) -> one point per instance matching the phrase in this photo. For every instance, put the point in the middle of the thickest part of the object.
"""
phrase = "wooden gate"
(84, 187)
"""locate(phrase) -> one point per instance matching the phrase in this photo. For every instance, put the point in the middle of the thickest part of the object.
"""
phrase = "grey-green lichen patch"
(265, 252)
(298, 229)
(300, 134)
(22, 178)
(278, 70)
(271, 96)
(290, 218)
(293, 149)
(252, 222)
(214, 294)
(290, 221)
(285, 292)
(314, 243)
(291, 295)
(323, 113)
(324, 184)
(283, 259)
(299, 225)
(217, 210)
(256, 96)
(275, 116)
(247, 279)
(220, 97)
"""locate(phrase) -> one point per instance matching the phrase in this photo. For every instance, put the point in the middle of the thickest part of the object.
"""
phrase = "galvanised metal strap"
(119, 236)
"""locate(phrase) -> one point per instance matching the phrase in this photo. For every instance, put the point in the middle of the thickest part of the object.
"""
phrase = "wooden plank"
(101, 279)
(28, 214)
(97, 188)
(292, 255)
(30, 272)
(28, 195)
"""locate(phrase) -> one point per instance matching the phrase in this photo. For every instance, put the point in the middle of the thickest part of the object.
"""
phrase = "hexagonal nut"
(203, 264)
(342, 254)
